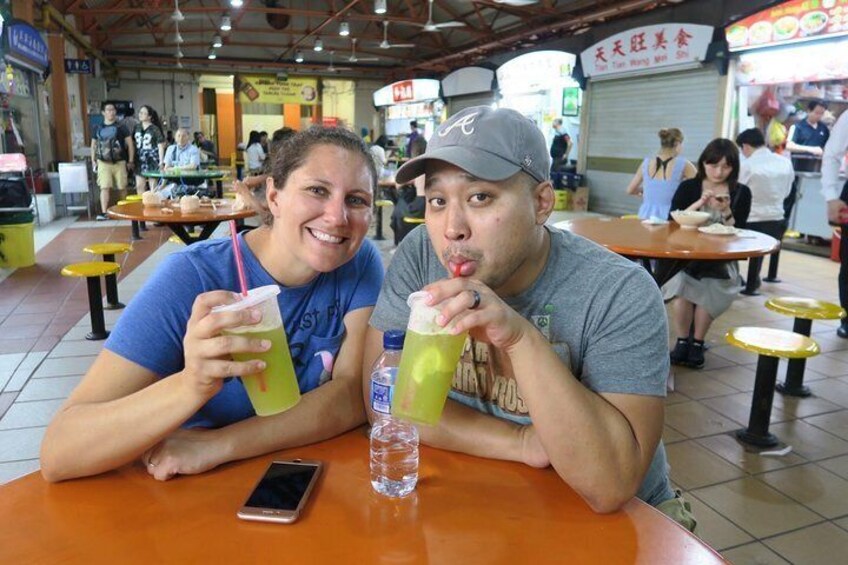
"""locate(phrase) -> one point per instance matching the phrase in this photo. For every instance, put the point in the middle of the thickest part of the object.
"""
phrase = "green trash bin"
(17, 242)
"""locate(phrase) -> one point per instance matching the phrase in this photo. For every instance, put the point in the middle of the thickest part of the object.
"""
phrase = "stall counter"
(810, 215)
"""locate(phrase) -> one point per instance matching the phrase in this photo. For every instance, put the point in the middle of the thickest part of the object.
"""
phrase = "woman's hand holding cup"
(208, 353)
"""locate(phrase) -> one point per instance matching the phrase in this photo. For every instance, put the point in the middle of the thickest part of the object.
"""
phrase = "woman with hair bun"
(658, 177)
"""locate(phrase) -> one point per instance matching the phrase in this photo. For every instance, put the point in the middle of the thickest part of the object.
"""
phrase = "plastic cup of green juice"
(275, 389)
(427, 365)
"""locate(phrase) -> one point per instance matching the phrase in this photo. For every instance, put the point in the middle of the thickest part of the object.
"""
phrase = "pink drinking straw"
(239, 262)
(263, 387)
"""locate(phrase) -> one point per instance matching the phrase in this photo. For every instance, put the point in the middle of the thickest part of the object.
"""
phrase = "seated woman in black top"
(706, 289)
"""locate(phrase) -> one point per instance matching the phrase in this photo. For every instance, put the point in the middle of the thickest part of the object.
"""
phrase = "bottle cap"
(393, 339)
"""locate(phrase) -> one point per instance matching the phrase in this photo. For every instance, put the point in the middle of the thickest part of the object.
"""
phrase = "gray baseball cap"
(490, 144)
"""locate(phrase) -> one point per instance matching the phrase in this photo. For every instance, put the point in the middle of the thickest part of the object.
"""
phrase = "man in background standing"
(112, 155)
(560, 146)
(770, 178)
(413, 135)
(837, 202)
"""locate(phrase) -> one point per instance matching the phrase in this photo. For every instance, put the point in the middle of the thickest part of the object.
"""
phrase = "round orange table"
(465, 510)
(631, 238)
(206, 216)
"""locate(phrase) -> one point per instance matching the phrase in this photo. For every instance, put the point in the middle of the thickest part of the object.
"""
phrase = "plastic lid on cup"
(393, 339)
(254, 296)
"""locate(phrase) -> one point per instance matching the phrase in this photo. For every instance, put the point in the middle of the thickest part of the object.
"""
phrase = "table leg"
(378, 232)
(754, 266)
(665, 269)
(136, 236)
(219, 189)
(772, 270)
(181, 232)
(794, 383)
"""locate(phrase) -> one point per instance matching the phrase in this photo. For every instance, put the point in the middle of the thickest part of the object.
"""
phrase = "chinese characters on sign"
(402, 91)
(79, 66)
(25, 41)
(649, 47)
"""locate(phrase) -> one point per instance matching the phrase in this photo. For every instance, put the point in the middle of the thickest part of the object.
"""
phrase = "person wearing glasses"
(704, 290)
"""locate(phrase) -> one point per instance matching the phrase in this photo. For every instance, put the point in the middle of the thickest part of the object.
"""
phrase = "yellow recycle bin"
(17, 245)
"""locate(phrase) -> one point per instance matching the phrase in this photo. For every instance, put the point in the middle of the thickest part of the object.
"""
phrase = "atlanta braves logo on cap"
(463, 123)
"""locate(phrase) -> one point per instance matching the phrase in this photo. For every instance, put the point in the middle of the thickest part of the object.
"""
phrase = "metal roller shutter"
(623, 120)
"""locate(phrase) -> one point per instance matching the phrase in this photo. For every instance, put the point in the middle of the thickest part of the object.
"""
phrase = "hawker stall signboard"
(407, 91)
(25, 46)
(269, 89)
(789, 22)
(649, 48)
(812, 62)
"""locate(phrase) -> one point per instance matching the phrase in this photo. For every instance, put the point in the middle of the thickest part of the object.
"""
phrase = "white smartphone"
(282, 492)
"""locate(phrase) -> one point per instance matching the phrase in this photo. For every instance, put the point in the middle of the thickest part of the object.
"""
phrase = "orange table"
(631, 238)
(208, 217)
(465, 510)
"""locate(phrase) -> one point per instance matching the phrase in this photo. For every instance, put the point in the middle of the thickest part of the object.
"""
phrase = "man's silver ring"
(151, 463)
(476, 300)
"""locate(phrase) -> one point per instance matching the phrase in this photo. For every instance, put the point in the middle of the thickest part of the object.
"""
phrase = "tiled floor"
(755, 509)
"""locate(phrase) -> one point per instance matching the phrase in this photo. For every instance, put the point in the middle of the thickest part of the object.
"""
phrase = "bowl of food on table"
(690, 219)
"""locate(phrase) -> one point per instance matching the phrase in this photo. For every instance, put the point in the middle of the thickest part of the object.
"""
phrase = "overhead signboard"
(407, 91)
(789, 22)
(268, 89)
(79, 66)
(813, 62)
(650, 48)
(25, 46)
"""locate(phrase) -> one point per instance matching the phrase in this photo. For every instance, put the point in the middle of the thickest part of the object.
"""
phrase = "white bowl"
(690, 219)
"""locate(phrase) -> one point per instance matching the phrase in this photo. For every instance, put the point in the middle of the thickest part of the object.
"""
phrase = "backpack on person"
(109, 146)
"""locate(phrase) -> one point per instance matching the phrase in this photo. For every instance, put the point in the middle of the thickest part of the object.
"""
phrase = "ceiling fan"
(385, 43)
(430, 26)
(334, 69)
(353, 58)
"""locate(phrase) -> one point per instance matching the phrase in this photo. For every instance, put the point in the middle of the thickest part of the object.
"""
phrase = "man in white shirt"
(770, 177)
(836, 195)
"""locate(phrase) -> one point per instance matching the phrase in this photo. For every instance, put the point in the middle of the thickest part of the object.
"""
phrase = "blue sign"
(79, 66)
(25, 41)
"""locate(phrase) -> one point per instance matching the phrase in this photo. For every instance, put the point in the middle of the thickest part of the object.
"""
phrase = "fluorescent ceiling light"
(319, 45)
(344, 29)
(179, 54)
(226, 23)
(216, 41)
(236, 3)
(212, 54)
(379, 6)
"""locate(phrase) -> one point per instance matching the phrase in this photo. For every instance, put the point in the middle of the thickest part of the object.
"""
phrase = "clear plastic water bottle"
(394, 443)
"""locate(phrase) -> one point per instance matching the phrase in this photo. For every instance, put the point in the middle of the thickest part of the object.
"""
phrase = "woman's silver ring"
(476, 300)
(151, 464)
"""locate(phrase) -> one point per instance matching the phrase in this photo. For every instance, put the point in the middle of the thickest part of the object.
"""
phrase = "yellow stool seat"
(175, 239)
(630, 217)
(383, 203)
(91, 269)
(122, 202)
(114, 248)
(133, 198)
(772, 342)
(231, 195)
(411, 220)
(806, 308)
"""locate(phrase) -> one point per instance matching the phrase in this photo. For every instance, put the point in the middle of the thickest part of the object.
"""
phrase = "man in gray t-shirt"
(567, 357)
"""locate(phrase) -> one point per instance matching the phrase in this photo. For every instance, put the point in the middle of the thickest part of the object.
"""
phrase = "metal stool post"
(758, 423)
(95, 310)
(794, 383)
(112, 302)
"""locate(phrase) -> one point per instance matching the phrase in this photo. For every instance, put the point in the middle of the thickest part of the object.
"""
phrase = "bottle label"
(381, 397)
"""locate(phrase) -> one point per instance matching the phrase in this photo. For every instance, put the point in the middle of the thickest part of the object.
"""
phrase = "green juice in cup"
(275, 389)
(427, 366)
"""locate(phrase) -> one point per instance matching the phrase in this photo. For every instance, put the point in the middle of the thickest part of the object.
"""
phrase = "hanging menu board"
(798, 20)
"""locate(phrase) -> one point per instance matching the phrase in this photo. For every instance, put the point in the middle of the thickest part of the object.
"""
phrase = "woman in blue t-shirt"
(161, 391)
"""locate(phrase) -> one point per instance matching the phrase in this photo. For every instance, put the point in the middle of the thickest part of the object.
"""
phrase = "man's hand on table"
(184, 452)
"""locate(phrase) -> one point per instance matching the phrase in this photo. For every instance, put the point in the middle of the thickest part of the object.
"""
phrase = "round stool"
(411, 220)
(108, 251)
(92, 272)
(804, 310)
(379, 205)
(771, 345)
